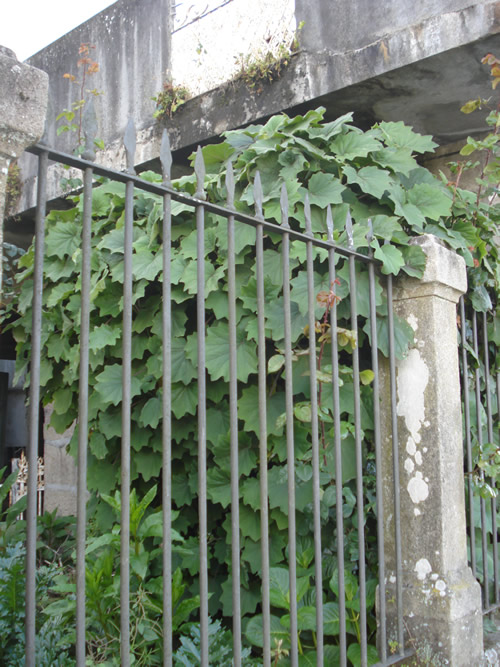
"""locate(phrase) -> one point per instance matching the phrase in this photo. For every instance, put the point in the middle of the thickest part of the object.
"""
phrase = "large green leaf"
(431, 201)
(354, 144)
(400, 135)
(390, 256)
(109, 384)
(372, 180)
(254, 633)
(217, 352)
(398, 160)
(324, 189)
(63, 240)
(103, 335)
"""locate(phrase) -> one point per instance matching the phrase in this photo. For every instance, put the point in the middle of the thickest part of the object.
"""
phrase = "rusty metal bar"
(34, 410)
(395, 471)
(318, 565)
(262, 390)
(359, 453)
(233, 425)
(199, 168)
(489, 418)
(468, 443)
(166, 162)
(378, 461)
(338, 450)
(83, 400)
(482, 502)
(290, 450)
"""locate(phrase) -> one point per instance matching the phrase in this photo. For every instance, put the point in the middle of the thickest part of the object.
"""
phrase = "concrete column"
(23, 107)
(441, 598)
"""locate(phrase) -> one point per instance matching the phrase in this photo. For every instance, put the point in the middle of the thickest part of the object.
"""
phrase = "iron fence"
(481, 404)
(344, 608)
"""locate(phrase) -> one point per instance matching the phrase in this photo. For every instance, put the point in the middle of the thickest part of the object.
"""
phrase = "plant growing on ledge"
(169, 100)
(257, 69)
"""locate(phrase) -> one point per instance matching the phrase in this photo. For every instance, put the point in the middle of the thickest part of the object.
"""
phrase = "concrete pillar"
(441, 598)
(23, 107)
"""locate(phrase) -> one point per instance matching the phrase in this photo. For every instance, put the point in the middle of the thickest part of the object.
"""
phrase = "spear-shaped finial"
(369, 236)
(307, 215)
(129, 143)
(348, 229)
(257, 195)
(230, 184)
(284, 207)
(199, 170)
(49, 120)
(165, 157)
(329, 223)
(89, 127)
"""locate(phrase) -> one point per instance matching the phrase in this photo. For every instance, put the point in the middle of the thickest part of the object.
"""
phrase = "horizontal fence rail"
(337, 559)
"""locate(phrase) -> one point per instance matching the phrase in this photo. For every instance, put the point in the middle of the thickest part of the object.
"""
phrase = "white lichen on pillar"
(441, 598)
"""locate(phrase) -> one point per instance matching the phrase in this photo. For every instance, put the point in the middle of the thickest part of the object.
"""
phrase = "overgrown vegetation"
(169, 99)
(257, 69)
(374, 175)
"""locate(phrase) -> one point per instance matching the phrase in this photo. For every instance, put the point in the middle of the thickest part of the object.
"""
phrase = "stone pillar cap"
(23, 104)
(445, 272)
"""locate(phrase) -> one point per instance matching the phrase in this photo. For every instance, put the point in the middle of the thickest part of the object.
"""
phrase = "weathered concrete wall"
(132, 49)
(344, 25)
(206, 52)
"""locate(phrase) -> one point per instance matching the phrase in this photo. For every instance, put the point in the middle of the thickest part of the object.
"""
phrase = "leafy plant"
(169, 99)
(52, 645)
(220, 646)
(103, 588)
(72, 118)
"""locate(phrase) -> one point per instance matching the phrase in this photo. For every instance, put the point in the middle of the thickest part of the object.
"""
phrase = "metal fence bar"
(482, 502)
(129, 142)
(359, 453)
(395, 470)
(489, 417)
(34, 398)
(199, 168)
(497, 584)
(290, 451)
(166, 162)
(338, 449)
(233, 424)
(318, 561)
(83, 401)
(378, 463)
(468, 443)
(263, 482)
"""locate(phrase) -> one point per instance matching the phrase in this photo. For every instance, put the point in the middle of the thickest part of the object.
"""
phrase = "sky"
(26, 26)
